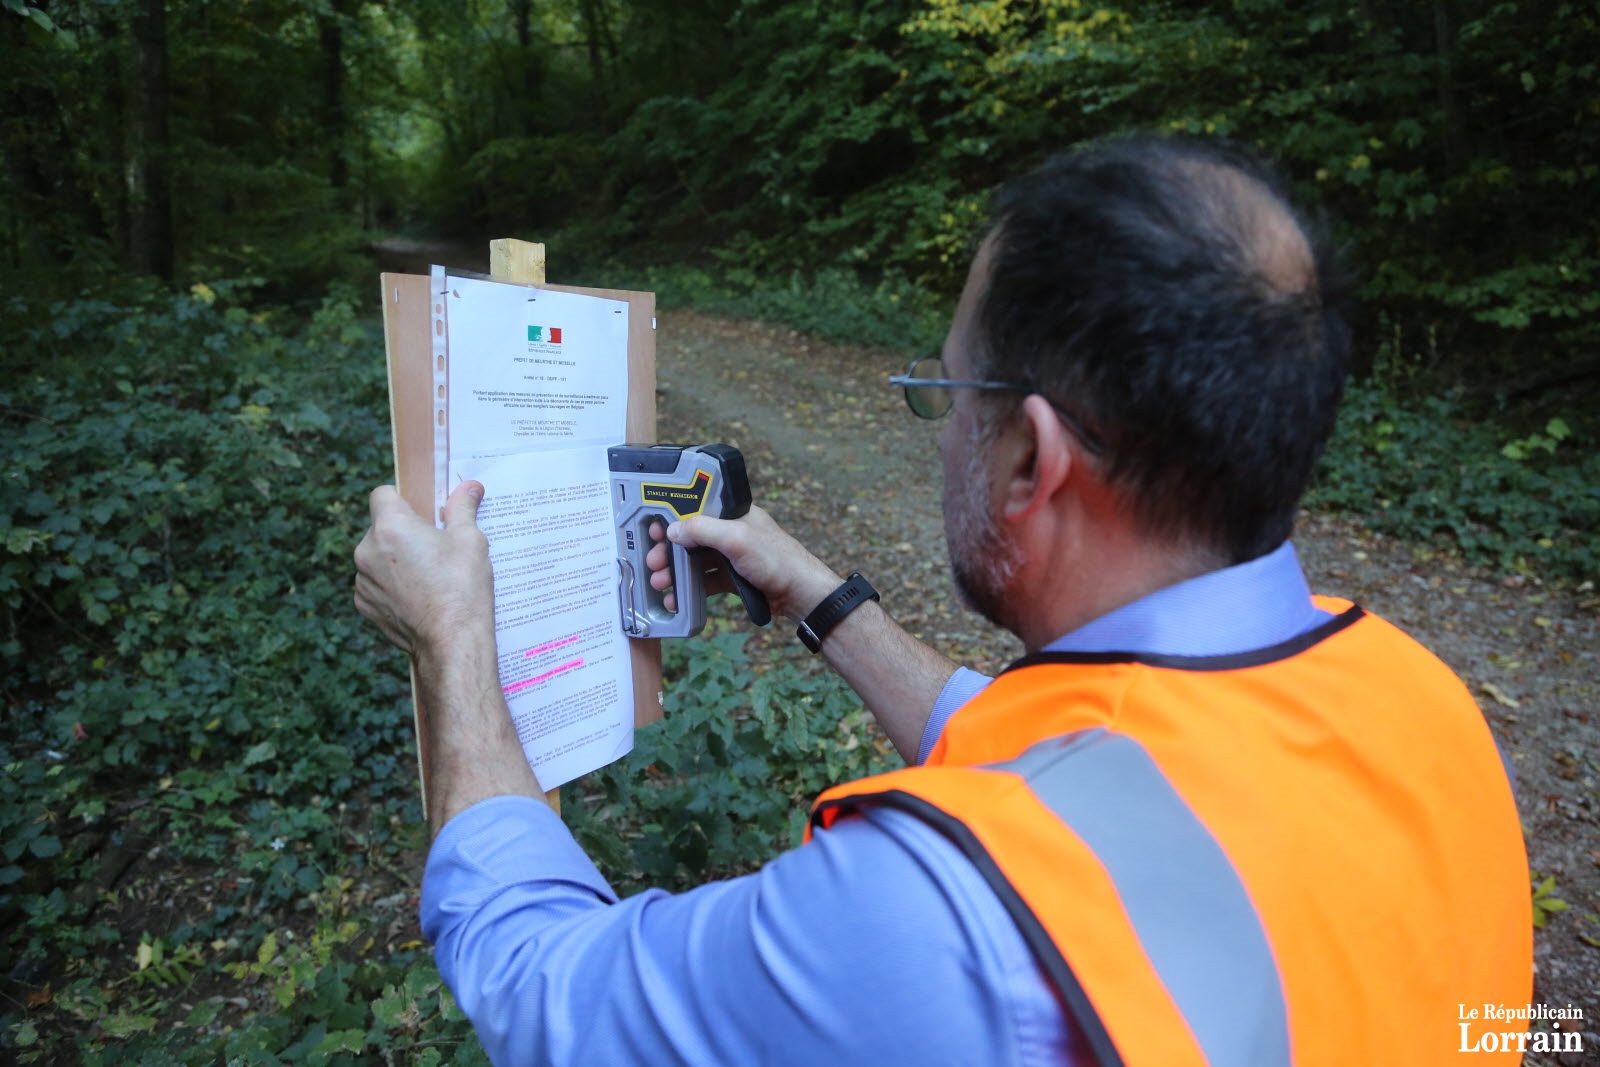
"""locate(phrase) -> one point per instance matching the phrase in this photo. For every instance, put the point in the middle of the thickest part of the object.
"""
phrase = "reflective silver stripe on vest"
(1183, 897)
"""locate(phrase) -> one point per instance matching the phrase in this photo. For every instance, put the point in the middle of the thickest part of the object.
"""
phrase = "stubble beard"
(982, 562)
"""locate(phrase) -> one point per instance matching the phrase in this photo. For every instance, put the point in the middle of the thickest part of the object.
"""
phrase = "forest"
(196, 197)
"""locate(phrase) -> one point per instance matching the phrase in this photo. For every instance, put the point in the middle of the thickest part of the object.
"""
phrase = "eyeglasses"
(928, 396)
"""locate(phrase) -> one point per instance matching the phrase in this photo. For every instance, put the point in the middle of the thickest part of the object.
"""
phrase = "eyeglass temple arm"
(904, 380)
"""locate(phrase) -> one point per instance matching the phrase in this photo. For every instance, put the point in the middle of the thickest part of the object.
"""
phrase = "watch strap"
(855, 592)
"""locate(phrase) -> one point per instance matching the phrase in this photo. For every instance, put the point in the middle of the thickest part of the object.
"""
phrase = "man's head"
(1168, 294)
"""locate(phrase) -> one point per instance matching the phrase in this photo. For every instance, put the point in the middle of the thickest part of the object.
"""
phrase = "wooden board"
(407, 317)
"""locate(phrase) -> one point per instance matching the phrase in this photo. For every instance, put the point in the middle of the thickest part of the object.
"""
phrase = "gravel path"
(834, 455)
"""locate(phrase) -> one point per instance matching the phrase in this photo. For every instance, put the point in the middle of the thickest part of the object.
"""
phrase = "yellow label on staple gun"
(684, 500)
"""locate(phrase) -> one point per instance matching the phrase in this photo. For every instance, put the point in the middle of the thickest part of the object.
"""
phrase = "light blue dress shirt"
(878, 943)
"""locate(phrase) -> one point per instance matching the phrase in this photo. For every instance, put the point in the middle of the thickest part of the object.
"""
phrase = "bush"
(837, 304)
(177, 514)
(184, 481)
(1423, 471)
(183, 486)
(725, 781)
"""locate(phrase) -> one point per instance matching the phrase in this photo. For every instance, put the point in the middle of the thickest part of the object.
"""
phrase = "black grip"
(736, 500)
(735, 492)
(753, 599)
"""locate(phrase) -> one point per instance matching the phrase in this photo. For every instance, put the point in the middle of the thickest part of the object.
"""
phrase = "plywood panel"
(409, 351)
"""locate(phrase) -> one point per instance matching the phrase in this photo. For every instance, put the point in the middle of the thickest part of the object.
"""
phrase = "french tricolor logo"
(548, 335)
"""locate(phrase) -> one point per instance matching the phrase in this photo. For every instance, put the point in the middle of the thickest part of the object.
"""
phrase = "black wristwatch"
(855, 592)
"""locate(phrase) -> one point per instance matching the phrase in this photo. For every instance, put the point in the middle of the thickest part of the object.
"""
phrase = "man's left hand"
(425, 587)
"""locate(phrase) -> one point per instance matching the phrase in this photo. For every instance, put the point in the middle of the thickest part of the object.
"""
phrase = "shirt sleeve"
(959, 688)
(878, 942)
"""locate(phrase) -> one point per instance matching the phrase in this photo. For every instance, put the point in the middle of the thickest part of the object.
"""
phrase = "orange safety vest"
(1305, 855)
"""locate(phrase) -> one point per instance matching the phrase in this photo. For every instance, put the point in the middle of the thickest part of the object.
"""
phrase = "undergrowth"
(1521, 501)
(725, 780)
(835, 304)
(187, 686)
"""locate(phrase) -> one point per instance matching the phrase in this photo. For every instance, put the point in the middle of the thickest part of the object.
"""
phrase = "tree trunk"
(521, 14)
(1444, 41)
(527, 86)
(592, 16)
(330, 36)
(150, 248)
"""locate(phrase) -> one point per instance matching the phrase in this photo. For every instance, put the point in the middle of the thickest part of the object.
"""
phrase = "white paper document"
(538, 388)
(531, 368)
(564, 665)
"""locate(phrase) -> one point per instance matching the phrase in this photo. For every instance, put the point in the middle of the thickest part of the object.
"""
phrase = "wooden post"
(516, 261)
(521, 261)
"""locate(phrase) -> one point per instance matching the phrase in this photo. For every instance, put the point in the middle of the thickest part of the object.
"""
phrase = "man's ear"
(1037, 452)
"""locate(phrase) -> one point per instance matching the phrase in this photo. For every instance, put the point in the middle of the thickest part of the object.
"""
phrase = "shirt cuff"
(959, 688)
(498, 843)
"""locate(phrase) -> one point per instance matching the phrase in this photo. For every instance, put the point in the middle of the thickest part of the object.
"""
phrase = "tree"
(150, 247)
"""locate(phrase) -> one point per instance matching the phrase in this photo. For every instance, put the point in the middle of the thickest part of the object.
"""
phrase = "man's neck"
(1093, 577)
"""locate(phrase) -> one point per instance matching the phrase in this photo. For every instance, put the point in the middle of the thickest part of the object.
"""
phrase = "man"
(1206, 819)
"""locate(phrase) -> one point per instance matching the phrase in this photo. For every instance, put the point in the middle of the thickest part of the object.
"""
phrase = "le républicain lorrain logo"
(1484, 1029)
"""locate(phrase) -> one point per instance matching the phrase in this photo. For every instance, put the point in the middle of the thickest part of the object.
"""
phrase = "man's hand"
(793, 580)
(432, 592)
(422, 586)
(895, 675)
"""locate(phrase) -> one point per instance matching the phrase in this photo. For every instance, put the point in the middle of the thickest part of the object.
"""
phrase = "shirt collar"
(1238, 609)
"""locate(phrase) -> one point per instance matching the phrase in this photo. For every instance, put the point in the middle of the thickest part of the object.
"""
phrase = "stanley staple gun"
(651, 483)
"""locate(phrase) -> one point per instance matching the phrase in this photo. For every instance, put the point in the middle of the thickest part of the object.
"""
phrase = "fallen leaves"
(1500, 695)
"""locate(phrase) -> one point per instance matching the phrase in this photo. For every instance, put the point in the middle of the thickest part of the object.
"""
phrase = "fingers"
(371, 604)
(659, 558)
(421, 586)
(793, 580)
(388, 510)
(756, 547)
(702, 531)
(461, 509)
(367, 550)
(658, 561)
(386, 502)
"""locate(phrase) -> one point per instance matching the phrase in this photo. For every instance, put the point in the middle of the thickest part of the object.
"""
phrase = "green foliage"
(182, 486)
(268, 191)
(160, 964)
(1426, 469)
(725, 780)
(329, 1007)
(163, 606)
(39, 23)
(834, 304)
(869, 137)
(1545, 902)
(1555, 431)
(318, 1002)
(1452, 144)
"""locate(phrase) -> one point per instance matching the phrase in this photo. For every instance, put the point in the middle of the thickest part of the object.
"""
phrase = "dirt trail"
(834, 455)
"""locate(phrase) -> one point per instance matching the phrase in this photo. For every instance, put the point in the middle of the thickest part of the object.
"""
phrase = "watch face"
(808, 638)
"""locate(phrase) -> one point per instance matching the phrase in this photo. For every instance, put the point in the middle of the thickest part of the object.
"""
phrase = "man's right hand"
(763, 553)
(896, 676)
